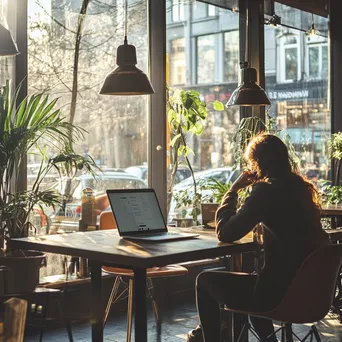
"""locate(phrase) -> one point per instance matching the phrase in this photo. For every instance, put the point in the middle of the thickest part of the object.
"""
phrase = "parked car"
(141, 171)
(224, 175)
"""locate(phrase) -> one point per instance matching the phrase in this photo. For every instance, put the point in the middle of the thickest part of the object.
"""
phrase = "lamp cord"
(125, 41)
(247, 36)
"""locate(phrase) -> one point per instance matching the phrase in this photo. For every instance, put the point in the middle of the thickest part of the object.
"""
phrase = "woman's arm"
(232, 225)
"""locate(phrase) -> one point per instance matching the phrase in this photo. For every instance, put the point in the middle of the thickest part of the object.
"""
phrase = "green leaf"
(218, 105)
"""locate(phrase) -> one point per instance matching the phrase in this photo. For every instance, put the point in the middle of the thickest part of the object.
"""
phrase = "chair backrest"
(311, 292)
(13, 325)
(107, 220)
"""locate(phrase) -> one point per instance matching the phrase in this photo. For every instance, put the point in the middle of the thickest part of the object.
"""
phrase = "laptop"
(138, 216)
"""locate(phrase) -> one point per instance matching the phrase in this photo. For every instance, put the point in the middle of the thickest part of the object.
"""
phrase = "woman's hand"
(245, 179)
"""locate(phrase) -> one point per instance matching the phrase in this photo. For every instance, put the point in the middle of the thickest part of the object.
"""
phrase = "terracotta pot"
(25, 271)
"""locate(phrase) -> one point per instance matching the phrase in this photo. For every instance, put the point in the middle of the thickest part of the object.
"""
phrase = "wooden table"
(331, 210)
(107, 248)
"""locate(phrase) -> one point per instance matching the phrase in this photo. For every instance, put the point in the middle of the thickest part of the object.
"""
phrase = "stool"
(37, 307)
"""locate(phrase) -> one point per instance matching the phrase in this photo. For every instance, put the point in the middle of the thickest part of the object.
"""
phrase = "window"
(199, 10)
(7, 20)
(116, 126)
(177, 9)
(231, 56)
(210, 49)
(298, 90)
(211, 10)
(178, 63)
(206, 59)
(289, 58)
(317, 61)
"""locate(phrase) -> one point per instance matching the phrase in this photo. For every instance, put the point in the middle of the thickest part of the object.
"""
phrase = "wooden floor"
(176, 322)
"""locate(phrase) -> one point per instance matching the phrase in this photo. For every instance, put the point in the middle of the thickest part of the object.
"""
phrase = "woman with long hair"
(288, 207)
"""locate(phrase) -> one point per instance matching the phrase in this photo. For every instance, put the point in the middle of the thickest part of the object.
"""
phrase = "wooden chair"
(13, 326)
(107, 221)
(309, 296)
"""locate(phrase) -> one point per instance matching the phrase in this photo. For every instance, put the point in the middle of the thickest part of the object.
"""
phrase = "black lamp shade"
(249, 93)
(7, 45)
(126, 79)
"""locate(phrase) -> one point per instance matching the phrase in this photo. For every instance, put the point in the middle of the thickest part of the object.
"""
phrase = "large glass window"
(69, 57)
(317, 66)
(211, 58)
(199, 10)
(177, 10)
(289, 58)
(7, 20)
(231, 56)
(206, 59)
(301, 107)
(177, 62)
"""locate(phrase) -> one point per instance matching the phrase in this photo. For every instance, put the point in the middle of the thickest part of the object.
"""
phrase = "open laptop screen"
(136, 211)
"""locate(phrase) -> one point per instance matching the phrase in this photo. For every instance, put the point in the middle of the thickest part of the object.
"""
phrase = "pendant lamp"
(7, 45)
(248, 93)
(126, 79)
(312, 31)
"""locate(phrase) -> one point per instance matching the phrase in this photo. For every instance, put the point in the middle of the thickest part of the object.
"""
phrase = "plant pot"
(184, 222)
(25, 271)
(208, 213)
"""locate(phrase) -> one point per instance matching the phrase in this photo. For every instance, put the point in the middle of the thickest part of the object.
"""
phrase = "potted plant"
(187, 114)
(30, 124)
(335, 154)
(210, 202)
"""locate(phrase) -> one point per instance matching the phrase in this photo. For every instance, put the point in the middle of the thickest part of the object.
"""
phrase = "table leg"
(238, 319)
(97, 307)
(140, 314)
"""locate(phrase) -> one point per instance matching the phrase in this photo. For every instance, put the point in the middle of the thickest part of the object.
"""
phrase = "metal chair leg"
(44, 317)
(288, 332)
(130, 309)
(113, 294)
(243, 333)
(65, 320)
(316, 334)
(151, 295)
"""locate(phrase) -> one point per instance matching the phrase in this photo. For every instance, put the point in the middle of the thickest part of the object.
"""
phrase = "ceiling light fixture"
(126, 79)
(248, 93)
(312, 32)
(274, 21)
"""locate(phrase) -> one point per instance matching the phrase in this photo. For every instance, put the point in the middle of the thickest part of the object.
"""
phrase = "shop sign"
(288, 94)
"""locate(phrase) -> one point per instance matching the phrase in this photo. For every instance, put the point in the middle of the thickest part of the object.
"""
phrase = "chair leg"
(65, 320)
(288, 332)
(113, 294)
(243, 333)
(316, 334)
(283, 334)
(151, 295)
(44, 317)
(130, 309)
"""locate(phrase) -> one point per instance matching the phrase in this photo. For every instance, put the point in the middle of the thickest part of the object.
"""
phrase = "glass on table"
(70, 268)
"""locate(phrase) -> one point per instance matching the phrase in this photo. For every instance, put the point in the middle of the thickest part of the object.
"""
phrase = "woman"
(288, 207)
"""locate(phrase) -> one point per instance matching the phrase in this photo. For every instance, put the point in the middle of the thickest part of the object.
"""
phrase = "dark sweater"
(292, 230)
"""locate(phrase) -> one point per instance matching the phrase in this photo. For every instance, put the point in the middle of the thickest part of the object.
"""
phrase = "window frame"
(177, 11)
(320, 44)
(283, 47)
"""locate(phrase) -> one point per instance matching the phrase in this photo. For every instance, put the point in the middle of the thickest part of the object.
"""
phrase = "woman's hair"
(267, 155)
